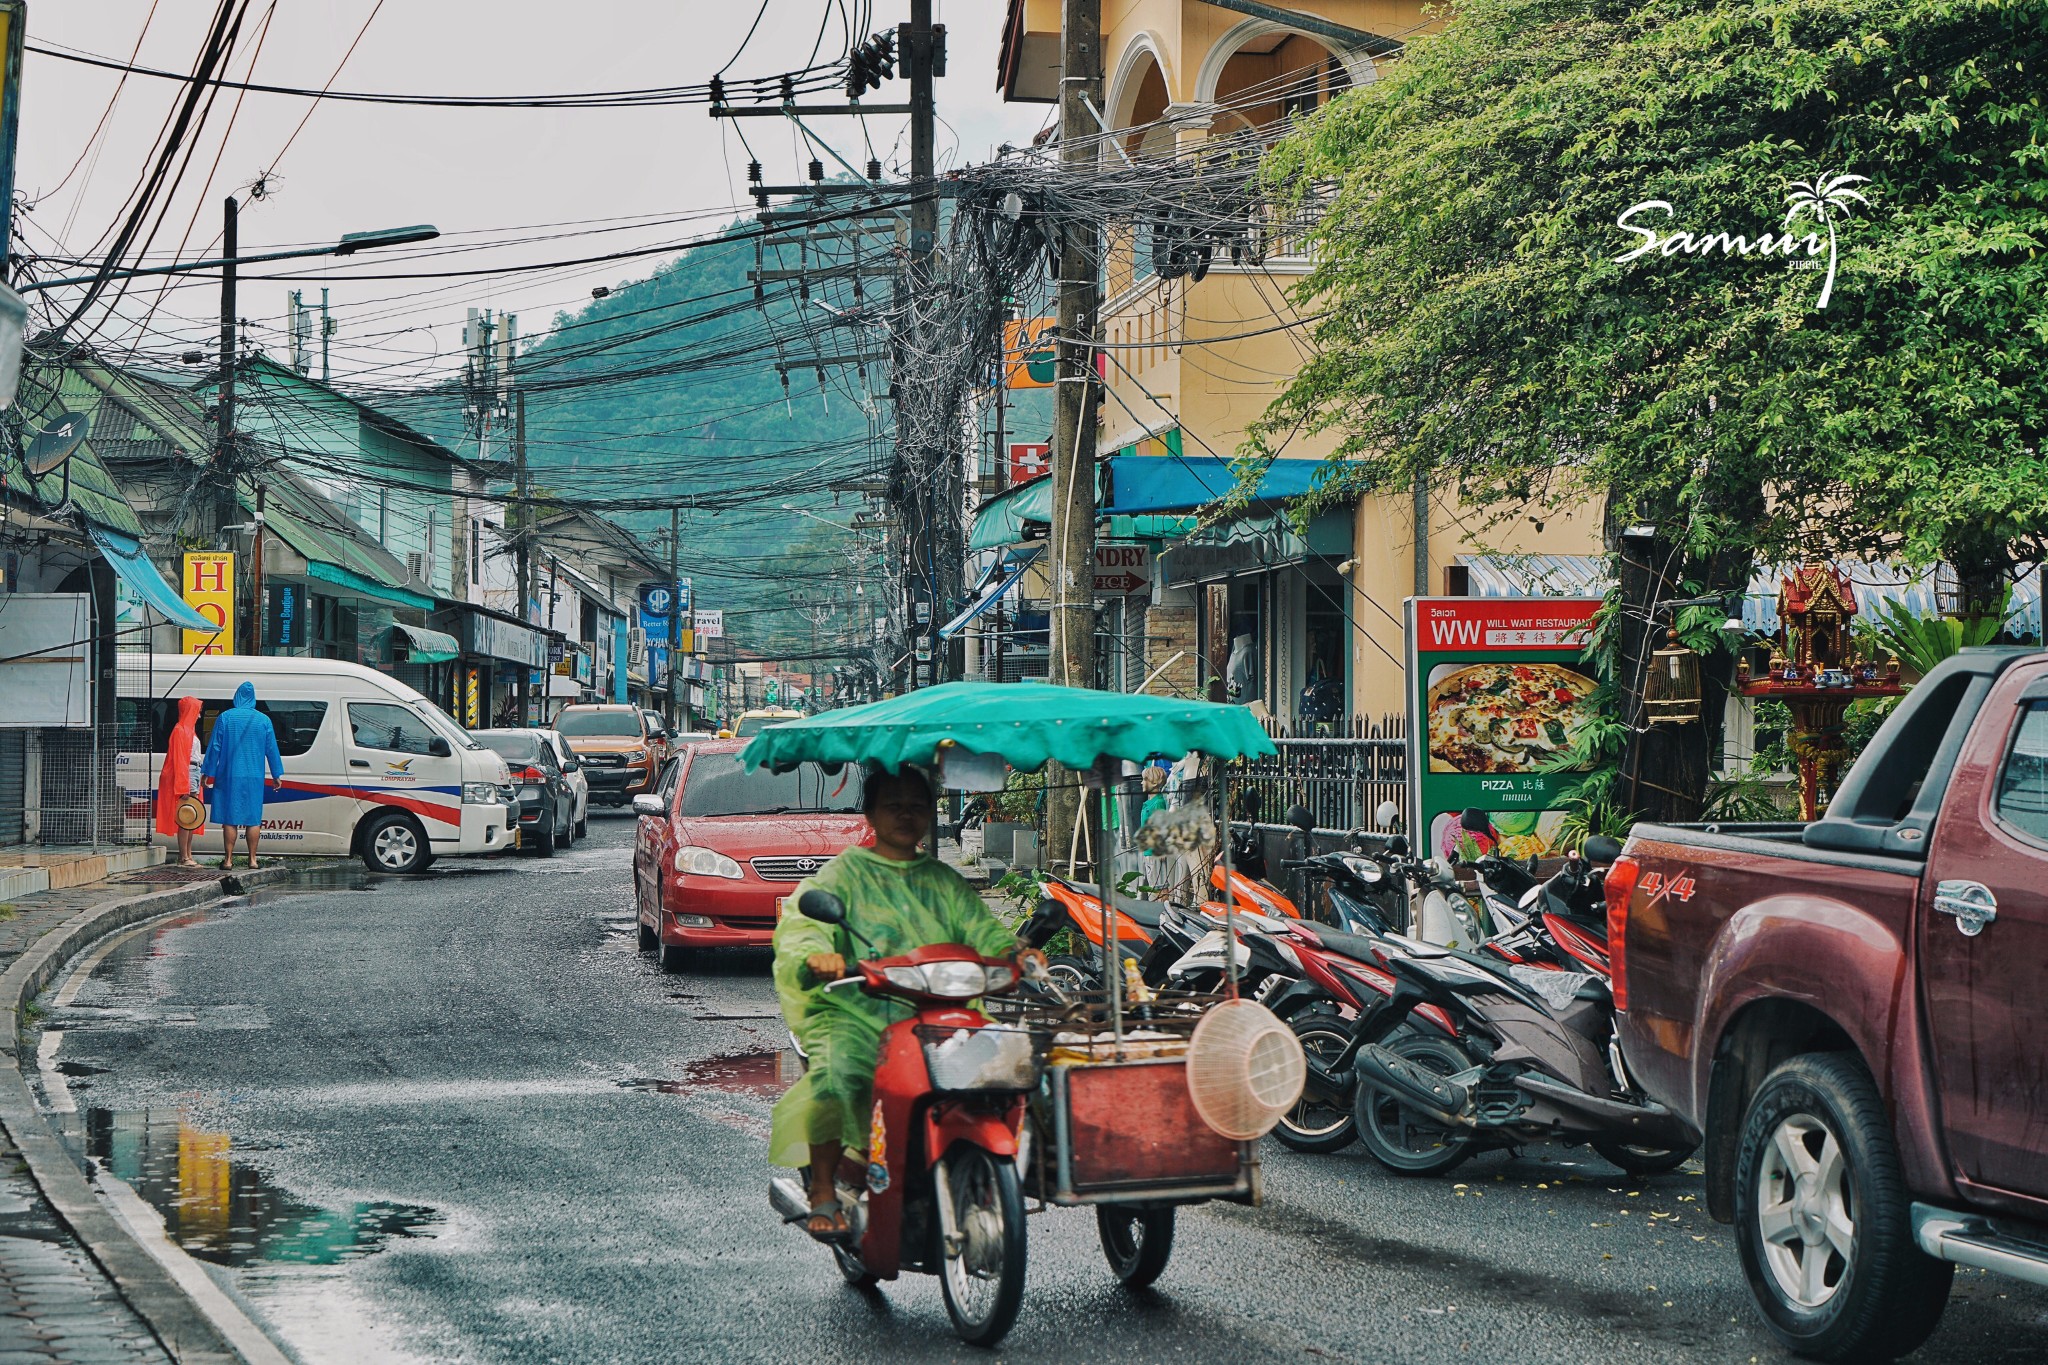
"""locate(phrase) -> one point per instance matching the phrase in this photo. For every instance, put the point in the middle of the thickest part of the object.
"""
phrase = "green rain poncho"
(898, 907)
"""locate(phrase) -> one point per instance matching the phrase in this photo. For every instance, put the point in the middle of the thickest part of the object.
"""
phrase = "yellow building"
(1196, 356)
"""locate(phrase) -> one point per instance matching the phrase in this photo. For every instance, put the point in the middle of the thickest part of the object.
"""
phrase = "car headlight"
(705, 862)
(637, 756)
(481, 793)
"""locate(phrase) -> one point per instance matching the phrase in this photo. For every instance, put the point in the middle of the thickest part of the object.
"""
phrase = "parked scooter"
(1534, 1059)
(941, 1194)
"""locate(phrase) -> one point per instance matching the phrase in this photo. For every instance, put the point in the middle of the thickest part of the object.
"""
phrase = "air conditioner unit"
(636, 646)
(416, 564)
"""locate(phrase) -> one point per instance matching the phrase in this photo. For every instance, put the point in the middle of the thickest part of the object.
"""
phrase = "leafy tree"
(1480, 332)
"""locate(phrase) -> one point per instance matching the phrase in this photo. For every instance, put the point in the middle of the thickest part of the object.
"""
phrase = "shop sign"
(1029, 459)
(710, 624)
(287, 624)
(495, 639)
(208, 587)
(1496, 694)
(657, 600)
(1121, 569)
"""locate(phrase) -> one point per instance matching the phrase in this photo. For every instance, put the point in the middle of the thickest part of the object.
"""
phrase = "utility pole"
(923, 494)
(326, 331)
(1073, 429)
(675, 615)
(224, 414)
(522, 514)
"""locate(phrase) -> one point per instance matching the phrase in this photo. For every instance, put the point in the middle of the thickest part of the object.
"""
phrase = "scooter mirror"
(1302, 818)
(821, 906)
(1601, 850)
(1388, 816)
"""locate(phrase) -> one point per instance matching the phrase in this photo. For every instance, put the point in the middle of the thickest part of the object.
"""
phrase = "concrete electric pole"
(1073, 427)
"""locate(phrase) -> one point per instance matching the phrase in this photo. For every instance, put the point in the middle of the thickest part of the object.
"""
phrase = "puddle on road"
(764, 1073)
(223, 1210)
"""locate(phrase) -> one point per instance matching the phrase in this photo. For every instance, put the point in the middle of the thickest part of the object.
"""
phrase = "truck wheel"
(1400, 1139)
(1643, 1161)
(394, 843)
(1822, 1217)
(1315, 1126)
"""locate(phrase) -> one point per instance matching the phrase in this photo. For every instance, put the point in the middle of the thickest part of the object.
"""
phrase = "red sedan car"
(719, 847)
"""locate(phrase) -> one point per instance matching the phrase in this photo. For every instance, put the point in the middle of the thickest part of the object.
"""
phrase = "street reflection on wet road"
(222, 1209)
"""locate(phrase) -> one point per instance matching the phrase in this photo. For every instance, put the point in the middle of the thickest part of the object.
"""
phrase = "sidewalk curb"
(185, 1331)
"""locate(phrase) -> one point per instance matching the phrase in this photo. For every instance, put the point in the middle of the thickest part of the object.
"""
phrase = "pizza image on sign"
(1504, 717)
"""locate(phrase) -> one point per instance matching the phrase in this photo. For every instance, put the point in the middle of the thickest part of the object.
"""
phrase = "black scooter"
(1534, 1059)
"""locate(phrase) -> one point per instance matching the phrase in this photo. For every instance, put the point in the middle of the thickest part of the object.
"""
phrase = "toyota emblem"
(807, 864)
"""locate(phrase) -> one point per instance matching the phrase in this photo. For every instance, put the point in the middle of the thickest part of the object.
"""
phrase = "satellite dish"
(54, 445)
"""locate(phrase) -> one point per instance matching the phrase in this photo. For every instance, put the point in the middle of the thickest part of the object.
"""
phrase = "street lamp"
(349, 245)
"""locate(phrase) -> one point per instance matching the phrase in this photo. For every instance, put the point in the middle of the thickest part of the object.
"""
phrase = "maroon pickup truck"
(1854, 1013)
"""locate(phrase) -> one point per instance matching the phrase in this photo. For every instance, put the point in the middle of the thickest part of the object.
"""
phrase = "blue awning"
(1182, 483)
(990, 597)
(124, 552)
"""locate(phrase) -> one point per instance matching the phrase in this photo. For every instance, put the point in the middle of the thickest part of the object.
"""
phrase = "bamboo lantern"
(1671, 692)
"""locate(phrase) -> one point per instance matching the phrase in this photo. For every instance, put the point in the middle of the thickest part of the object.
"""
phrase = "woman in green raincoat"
(900, 899)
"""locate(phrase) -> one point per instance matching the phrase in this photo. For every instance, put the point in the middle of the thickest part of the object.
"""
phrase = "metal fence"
(1341, 779)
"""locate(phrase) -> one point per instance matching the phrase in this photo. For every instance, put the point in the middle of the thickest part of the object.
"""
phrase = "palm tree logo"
(1824, 199)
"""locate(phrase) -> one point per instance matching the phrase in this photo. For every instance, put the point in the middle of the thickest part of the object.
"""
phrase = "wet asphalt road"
(458, 1118)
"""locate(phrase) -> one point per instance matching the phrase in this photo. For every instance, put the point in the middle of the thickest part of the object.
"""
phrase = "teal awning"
(1000, 520)
(1023, 723)
(124, 552)
(368, 587)
(423, 646)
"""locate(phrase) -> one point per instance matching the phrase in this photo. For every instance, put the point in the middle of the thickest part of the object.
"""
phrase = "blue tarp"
(124, 552)
(1167, 483)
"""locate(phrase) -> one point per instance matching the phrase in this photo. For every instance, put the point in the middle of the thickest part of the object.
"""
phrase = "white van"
(371, 767)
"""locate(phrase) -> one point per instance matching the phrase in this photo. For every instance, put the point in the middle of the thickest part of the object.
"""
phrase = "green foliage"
(1018, 801)
(1475, 324)
(1021, 887)
(1921, 642)
(1742, 796)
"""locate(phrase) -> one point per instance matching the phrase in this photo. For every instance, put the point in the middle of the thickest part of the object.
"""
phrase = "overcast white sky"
(477, 172)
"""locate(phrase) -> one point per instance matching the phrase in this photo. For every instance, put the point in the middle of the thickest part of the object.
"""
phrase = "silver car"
(572, 769)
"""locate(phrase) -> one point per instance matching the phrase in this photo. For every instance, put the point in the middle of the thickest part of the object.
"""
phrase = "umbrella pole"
(1112, 951)
(1229, 892)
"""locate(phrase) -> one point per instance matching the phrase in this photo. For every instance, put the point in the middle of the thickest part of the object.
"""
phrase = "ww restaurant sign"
(1496, 696)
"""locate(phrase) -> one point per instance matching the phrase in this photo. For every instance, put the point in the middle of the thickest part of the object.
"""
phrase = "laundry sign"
(1122, 568)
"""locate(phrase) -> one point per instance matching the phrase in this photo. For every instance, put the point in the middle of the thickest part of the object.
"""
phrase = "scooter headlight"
(955, 980)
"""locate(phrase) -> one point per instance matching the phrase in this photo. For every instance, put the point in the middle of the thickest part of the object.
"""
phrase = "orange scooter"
(1076, 905)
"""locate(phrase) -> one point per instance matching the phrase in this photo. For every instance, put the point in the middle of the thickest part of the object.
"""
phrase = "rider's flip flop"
(832, 1209)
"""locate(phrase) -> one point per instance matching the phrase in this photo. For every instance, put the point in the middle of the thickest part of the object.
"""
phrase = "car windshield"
(615, 724)
(525, 748)
(445, 723)
(716, 784)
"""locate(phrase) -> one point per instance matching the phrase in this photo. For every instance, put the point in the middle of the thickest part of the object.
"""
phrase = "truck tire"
(1822, 1217)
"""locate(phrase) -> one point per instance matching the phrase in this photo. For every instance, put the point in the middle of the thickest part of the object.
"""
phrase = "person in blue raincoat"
(242, 749)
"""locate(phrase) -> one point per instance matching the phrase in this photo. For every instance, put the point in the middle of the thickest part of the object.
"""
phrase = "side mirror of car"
(571, 766)
(647, 803)
(821, 906)
(437, 747)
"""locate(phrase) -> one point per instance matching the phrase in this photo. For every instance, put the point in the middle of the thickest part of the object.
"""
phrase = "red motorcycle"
(941, 1193)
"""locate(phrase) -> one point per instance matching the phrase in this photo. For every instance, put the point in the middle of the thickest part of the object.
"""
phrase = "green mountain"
(667, 389)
